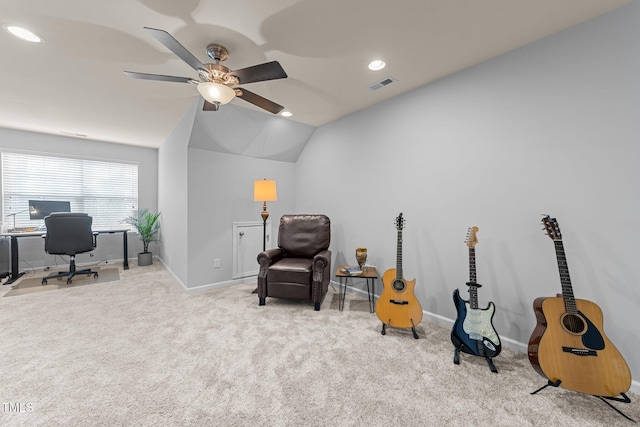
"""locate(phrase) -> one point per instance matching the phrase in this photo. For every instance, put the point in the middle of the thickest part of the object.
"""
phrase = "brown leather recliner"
(300, 267)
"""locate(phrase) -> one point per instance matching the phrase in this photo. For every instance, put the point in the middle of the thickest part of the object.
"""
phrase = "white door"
(247, 244)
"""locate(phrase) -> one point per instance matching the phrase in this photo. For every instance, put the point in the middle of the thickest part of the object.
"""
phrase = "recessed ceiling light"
(286, 114)
(23, 33)
(376, 65)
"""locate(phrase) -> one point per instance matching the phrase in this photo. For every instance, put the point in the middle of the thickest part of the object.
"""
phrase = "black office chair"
(69, 233)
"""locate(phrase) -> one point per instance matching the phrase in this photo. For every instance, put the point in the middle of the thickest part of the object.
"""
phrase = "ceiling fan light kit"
(216, 92)
(218, 85)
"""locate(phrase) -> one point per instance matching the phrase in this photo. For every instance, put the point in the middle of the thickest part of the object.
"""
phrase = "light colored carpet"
(28, 285)
(142, 352)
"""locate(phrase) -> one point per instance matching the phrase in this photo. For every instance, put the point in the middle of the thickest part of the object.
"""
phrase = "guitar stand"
(456, 359)
(413, 328)
(555, 383)
(624, 398)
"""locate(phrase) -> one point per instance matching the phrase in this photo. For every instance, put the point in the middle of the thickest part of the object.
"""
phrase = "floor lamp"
(264, 191)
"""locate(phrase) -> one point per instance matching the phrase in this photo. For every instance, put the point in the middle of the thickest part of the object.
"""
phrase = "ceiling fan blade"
(159, 77)
(261, 72)
(261, 102)
(174, 46)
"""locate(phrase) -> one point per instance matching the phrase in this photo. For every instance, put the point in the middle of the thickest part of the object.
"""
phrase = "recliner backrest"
(68, 233)
(303, 236)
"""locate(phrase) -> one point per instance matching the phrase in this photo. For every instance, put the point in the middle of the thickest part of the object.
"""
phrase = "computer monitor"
(38, 209)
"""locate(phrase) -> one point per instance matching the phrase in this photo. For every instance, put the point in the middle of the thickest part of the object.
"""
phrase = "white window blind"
(107, 191)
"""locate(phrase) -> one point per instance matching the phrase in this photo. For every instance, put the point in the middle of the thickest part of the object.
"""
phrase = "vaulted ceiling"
(73, 82)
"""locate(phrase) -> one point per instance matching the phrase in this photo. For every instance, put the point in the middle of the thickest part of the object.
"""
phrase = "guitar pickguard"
(474, 330)
(592, 338)
(477, 323)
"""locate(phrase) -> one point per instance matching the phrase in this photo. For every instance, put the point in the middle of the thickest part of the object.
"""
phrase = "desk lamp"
(264, 191)
(14, 217)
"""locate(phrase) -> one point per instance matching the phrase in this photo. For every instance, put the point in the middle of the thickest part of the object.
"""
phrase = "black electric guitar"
(473, 330)
(568, 345)
(398, 306)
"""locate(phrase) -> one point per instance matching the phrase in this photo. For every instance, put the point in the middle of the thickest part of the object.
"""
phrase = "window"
(107, 191)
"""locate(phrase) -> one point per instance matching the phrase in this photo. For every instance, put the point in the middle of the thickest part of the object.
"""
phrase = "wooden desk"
(369, 274)
(15, 273)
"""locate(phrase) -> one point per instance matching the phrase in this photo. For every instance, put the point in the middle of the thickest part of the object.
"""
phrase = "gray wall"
(172, 197)
(549, 128)
(109, 247)
(202, 193)
(221, 193)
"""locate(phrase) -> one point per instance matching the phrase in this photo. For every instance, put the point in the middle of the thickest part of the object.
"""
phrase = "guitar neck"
(565, 280)
(473, 289)
(399, 256)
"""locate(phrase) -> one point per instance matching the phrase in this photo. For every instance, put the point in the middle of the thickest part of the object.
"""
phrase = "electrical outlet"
(216, 263)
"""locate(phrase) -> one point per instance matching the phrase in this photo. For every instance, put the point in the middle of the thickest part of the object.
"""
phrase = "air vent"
(382, 83)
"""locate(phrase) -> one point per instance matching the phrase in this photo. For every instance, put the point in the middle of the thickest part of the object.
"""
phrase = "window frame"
(106, 189)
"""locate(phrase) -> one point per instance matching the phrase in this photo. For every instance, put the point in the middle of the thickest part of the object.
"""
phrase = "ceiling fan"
(218, 85)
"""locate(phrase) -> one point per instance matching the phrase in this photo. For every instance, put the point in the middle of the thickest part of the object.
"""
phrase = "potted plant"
(147, 226)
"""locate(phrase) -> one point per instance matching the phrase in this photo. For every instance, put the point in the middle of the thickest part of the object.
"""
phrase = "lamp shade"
(216, 92)
(264, 190)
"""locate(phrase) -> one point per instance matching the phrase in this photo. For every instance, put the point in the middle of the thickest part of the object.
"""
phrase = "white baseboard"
(441, 320)
(208, 286)
(507, 342)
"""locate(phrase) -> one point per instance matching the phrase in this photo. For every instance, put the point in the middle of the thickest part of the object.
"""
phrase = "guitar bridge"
(579, 351)
(399, 302)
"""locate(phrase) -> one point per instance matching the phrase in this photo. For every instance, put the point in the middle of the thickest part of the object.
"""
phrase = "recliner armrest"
(323, 257)
(265, 259)
(270, 256)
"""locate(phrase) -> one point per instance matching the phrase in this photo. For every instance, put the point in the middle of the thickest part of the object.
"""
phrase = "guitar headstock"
(472, 239)
(399, 222)
(552, 228)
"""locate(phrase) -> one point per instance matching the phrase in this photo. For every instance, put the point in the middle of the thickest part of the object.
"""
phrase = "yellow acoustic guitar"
(397, 306)
(568, 345)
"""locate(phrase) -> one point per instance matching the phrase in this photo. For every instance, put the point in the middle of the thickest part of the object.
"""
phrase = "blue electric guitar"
(473, 330)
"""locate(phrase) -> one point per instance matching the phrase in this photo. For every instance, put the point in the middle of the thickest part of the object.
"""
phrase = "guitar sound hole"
(398, 285)
(573, 323)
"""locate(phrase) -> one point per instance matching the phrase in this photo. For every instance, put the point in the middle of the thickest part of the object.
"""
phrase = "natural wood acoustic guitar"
(398, 306)
(568, 346)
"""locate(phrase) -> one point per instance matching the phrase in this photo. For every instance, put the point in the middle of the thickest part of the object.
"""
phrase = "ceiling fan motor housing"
(217, 53)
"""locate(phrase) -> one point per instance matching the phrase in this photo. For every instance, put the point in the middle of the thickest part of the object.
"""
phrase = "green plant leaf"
(146, 224)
